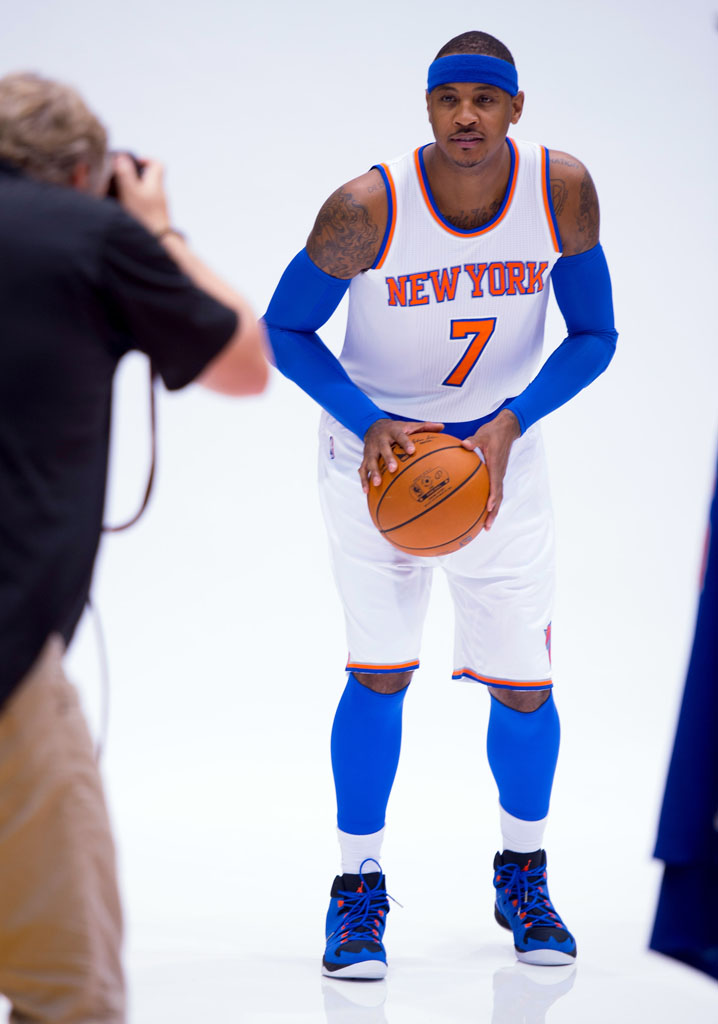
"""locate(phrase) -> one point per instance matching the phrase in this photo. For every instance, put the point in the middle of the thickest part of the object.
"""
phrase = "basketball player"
(447, 254)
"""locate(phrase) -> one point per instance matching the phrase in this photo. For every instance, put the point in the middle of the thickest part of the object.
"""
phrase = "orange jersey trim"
(518, 684)
(546, 205)
(403, 667)
(487, 227)
(392, 203)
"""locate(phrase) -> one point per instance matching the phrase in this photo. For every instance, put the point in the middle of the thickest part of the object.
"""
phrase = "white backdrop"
(224, 634)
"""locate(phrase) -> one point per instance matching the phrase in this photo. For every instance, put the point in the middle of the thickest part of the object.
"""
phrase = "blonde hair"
(46, 129)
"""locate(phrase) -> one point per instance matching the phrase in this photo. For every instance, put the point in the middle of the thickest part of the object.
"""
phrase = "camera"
(112, 190)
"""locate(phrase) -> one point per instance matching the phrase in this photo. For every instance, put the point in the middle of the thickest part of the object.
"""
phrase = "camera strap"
(153, 461)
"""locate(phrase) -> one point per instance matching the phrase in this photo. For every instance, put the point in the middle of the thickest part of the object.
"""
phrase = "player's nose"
(465, 114)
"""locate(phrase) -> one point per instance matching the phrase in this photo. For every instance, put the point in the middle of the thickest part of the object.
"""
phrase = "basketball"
(435, 501)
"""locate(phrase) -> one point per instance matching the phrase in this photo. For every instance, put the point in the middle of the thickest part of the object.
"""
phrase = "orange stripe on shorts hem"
(361, 667)
(513, 684)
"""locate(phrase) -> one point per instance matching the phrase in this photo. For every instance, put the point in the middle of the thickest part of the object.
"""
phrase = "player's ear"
(427, 105)
(517, 107)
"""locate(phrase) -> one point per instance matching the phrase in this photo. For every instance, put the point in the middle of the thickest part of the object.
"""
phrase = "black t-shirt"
(81, 283)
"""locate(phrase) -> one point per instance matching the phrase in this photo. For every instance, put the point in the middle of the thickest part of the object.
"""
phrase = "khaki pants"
(60, 917)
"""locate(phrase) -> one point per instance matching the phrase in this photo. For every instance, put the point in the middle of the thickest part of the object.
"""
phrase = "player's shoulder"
(350, 225)
(367, 187)
(367, 192)
(566, 165)
(575, 202)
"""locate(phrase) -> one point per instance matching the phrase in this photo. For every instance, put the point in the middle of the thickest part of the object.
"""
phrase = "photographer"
(83, 281)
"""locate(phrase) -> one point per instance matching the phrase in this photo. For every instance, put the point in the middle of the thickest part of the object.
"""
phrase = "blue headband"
(474, 67)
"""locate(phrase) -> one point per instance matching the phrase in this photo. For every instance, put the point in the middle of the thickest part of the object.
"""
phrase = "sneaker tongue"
(352, 883)
(363, 882)
(537, 859)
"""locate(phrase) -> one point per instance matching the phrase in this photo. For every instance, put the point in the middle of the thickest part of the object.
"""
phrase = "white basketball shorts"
(501, 583)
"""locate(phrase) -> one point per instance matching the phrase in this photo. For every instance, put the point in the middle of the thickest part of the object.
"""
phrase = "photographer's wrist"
(168, 230)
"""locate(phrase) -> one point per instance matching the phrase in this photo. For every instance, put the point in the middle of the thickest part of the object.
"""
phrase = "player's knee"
(519, 700)
(390, 682)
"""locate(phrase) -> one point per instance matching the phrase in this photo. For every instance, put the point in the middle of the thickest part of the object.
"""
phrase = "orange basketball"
(435, 500)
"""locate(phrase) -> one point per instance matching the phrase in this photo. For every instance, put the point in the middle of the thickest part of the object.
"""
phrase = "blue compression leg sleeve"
(366, 739)
(523, 750)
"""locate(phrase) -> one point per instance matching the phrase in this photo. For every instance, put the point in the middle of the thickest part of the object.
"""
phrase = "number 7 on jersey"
(479, 332)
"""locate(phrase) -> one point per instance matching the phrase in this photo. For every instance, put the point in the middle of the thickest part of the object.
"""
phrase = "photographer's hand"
(143, 197)
(241, 367)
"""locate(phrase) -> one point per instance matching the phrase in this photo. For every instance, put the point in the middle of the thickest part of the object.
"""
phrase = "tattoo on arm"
(558, 195)
(344, 240)
(575, 203)
(588, 216)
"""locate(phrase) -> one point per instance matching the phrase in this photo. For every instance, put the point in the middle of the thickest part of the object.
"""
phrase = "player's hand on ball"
(494, 441)
(378, 440)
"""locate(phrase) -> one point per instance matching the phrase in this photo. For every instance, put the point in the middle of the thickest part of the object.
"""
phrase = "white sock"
(519, 835)
(356, 849)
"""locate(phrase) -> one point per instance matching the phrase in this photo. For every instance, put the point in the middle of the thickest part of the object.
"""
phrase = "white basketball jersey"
(448, 323)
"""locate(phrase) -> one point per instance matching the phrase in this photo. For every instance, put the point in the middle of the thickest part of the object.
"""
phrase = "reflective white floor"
(452, 982)
(477, 983)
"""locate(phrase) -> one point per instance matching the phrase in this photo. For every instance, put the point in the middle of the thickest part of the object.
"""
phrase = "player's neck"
(468, 196)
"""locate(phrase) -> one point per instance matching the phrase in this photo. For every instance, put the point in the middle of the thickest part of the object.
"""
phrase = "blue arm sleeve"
(582, 287)
(304, 299)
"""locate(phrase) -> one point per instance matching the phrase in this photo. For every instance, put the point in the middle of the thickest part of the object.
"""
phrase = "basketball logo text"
(430, 485)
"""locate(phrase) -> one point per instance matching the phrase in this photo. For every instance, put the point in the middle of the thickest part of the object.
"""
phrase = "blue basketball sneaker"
(355, 926)
(524, 906)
